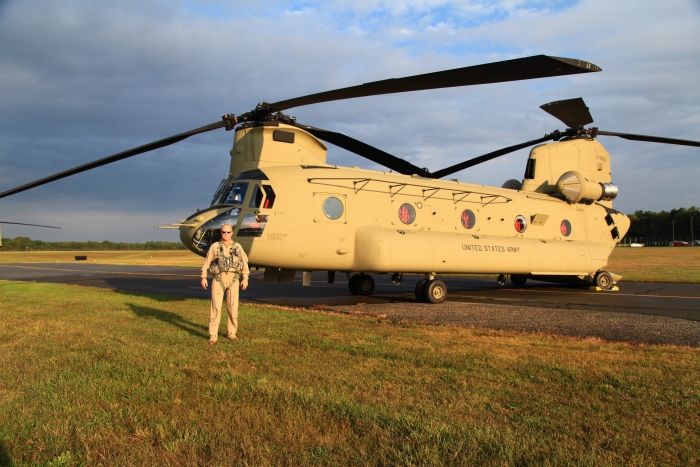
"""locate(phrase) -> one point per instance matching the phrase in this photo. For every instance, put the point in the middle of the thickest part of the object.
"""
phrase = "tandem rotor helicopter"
(293, 211)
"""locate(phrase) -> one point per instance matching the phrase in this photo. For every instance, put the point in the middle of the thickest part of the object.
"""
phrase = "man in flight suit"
(227, 261)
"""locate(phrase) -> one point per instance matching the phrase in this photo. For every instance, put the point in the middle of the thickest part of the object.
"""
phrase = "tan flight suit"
(217, 293)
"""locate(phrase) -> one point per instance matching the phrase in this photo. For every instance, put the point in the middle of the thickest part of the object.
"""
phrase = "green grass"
(98, 377)
(657, 264)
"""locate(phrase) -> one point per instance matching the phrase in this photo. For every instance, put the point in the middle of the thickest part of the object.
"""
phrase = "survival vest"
(227, 264)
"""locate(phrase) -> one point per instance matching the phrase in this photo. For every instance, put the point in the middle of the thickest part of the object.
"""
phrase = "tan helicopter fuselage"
(388, 222)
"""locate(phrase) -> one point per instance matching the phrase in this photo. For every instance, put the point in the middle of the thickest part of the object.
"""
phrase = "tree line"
(657, 224)
(25, 243)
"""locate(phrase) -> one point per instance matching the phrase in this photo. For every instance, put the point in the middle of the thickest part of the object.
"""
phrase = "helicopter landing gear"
(361, 284)
(430, 291)
(604, 280)
(501, 279)
(435, 291)
(518, 280)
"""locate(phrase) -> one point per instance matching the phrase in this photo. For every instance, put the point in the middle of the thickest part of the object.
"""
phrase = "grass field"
(177, 258)
(99, 377)
(662, 264)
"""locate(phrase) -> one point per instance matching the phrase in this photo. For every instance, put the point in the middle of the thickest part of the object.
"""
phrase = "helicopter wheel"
(604, 280)
(364, 285)
(420, 290)
(352, 284)
(434, 292)
(518, 280)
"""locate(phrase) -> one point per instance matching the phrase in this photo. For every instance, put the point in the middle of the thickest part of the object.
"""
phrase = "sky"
(81, 80)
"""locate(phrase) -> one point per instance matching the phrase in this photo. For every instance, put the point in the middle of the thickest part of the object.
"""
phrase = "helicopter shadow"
(170, 318)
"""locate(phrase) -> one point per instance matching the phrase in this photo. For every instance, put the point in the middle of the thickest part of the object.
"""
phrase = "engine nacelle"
(578, 189)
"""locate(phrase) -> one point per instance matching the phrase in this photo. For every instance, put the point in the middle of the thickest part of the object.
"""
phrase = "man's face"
(226, 233)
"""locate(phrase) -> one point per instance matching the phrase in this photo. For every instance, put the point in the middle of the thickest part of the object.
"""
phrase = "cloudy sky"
(80, 80)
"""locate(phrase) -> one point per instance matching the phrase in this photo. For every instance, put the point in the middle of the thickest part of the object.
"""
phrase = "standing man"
(228, 263)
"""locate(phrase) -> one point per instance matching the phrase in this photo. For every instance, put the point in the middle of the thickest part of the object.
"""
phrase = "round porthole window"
(407, 213)
(565, 228)
(468, 219)
(520, 224)
(333, 208)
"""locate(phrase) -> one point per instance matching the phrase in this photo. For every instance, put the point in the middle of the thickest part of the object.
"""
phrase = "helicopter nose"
(199, 239)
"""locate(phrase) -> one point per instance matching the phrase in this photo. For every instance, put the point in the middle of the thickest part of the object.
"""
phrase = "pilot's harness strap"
(221, 283)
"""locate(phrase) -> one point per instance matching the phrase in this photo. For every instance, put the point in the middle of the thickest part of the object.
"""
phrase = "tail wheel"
(420, 290)
(365, 285)
(352, 284)
(518, 280)
(604, 280)
(435, 291)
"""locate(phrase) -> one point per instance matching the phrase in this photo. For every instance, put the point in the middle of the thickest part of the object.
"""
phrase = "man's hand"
(244, 284)
(204, 284)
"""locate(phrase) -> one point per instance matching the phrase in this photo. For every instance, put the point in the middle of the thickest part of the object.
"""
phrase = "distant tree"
(25, 243)
(653, 224)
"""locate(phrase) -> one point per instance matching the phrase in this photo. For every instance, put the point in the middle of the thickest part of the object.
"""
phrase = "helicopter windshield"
(228, 193)
(217, 194)
(236, 194)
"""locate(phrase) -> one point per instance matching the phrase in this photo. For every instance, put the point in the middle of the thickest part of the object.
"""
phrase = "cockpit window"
(269, 196)
(255, 174)
(225, 190)
(237, 193)
(256, 197)
(217, 193)
(253, 225)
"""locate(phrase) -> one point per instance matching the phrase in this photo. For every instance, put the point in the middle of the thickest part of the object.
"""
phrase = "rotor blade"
(491, 155)
(364, 150)
(114, 158)
(573, 112)
(651, 139)
(33, 225)
(538, 66)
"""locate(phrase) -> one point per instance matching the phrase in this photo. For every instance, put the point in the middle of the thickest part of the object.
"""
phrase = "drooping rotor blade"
(538, 66)
(492, 155)
(33, 225)
(364, 150)
(650, 139)
(116, 157)
(573, 112)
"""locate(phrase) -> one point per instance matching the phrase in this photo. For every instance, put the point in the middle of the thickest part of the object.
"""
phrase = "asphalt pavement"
(663, 301)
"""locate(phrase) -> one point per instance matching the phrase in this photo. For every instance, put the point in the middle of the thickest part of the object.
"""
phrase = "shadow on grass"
(4, 457)
(156, 297)
(170, 318)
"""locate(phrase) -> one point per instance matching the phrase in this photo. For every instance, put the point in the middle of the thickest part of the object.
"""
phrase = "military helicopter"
(293, 211)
